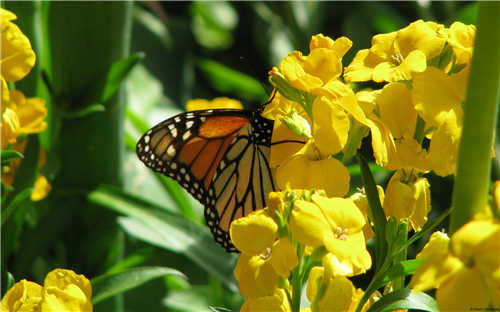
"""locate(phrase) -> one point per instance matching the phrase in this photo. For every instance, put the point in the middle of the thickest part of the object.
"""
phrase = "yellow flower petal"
(408, 197)
(277, 302)
(438, 265)
(64, 290)
(361, 67)
(253, 233)
(302, 171)
(347, 256)
(41, 188)
(461, 39)
(10, 127)
(256, 276)
(17, 56)
(31, 112)
(465, 290)
(307, 223)
(283, 257)
(217, 103)
(443, 149)
(331, 126)
(340, 45)
(338, 295)
(340, 213)
(436, 93)
(396, 109)
(23, 296)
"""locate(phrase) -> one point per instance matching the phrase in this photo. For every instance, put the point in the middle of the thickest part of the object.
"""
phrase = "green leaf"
(192, 299)
(212, 23)
(19, 200)
(377, 212)
(136, 258)
(117, 73)
(227, 80)
(167, 230)
(8, 155)
(87, 110)
(403, 268)
(108, 285)
(405, 299)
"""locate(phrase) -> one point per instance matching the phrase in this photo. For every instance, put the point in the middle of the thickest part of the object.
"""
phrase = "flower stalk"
(480, 114)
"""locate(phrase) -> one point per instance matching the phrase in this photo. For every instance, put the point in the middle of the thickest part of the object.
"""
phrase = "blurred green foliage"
(187, 50)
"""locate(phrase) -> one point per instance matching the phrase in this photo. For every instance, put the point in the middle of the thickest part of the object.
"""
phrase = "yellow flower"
(10, 126)
(306, 169)
(23, 296)
(283, 257)
(63, 290)
(278, 302)
(334, 293)
(41, 187)
(438, 98)
(397, 55)
(288, 141)
(361, 202)
(258, 224)
(465, 269)
(408, 197)
(17, 56)
(217, 103)
(337, 224)
(256, 276)
(391, 119)
(461, 39)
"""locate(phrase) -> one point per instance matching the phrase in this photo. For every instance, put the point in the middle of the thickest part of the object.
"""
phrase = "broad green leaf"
(117, 73)
(403, 268)
(227, 80)
(19, 200)
(108, 285)
(192, 299)
(87, 110)
(212, 23)
(134, 259)
(405, 299)
(168, 230)
(8, 155)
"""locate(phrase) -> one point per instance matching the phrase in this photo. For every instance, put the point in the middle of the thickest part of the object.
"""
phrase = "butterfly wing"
(220, 157)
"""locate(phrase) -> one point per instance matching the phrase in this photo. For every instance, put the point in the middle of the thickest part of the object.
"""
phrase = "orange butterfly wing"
(220, 157)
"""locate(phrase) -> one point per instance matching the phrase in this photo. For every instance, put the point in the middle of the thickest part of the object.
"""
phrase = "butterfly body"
(220, 157)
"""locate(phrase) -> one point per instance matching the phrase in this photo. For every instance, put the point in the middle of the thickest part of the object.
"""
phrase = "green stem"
(297, 275)
(480, 112)
(399, 282)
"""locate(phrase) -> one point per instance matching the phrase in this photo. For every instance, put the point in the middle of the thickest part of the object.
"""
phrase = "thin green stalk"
(297, 279)
(480, 113)
(399, 282)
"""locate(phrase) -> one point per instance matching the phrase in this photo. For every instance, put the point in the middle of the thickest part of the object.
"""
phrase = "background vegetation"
(106, 212)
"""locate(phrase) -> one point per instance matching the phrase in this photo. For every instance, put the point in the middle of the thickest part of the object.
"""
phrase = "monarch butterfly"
(219, 156)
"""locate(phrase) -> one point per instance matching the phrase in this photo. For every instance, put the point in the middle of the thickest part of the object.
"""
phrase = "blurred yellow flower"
(217, 103)
(17, 56)
(63, 290)
(465, 269)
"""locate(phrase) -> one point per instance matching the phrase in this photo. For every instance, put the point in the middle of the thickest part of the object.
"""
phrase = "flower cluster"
(297, 229)
(63, 290)
(321, 114)
(20, 115)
